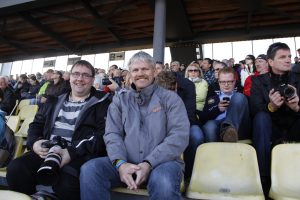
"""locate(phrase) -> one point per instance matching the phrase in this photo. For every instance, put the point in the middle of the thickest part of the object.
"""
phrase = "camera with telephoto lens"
(48, 173)
(286, 91)
(106, 81)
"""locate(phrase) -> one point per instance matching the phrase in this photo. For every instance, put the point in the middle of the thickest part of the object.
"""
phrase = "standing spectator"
(208, 70)
(277, 116)
(159, 67)
(142, 128)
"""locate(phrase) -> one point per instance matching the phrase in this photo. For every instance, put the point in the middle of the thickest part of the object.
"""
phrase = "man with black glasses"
(226, 113)
(78, 119)
(274, 102)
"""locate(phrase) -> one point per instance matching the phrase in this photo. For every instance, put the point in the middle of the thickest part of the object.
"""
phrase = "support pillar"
(159, 34)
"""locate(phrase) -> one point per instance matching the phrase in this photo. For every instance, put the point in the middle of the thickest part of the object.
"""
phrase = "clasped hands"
(128, 170)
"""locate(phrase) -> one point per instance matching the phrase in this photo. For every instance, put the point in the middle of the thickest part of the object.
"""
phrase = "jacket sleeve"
(91, 142)
(114, 131)
(258, 102)
(177, 137)
(190, 100)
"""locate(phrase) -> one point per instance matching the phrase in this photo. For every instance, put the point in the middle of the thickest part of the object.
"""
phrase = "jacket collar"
(145, 94)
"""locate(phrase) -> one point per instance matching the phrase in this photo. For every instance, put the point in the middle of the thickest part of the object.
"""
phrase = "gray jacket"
(149, 125)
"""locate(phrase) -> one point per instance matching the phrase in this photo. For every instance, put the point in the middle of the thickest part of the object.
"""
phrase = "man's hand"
(223, 105)
(39, 150)
(276, 100)
(143, 173)
(293, 102)
(64, 153)
(126, 171)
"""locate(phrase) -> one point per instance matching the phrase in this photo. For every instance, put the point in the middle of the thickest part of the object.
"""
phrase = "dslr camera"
(286, 91)
(48, 173)
(106, 81)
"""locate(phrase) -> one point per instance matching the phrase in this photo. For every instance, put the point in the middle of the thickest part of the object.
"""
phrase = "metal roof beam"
(47, 30)
(103, 23)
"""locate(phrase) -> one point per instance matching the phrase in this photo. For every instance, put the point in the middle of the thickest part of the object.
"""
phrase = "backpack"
(7, 142)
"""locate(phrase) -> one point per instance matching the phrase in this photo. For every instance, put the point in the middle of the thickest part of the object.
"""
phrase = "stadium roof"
(31, 29)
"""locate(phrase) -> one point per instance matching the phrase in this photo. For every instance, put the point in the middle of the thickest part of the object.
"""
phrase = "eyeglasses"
(193, 70)
(83, 75)
(226, 82)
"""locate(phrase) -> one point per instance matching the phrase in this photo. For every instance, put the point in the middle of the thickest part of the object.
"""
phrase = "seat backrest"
(13, 122)
(28, 111)
(22, 103)
(11, 195)
(285, 173)
(225, 171)
(24, 127)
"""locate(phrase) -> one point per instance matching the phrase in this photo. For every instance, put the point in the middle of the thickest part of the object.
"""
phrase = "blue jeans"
(262, 133)
(98, 176)
(237, 116)
(196, 138)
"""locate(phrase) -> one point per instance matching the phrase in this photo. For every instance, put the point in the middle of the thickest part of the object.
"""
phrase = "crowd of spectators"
(202, 101)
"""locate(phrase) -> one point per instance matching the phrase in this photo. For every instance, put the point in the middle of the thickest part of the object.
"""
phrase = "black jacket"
(9, 100)
(259, 98)
(87, 140)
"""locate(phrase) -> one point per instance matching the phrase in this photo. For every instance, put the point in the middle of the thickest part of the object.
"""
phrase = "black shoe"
(229, 134)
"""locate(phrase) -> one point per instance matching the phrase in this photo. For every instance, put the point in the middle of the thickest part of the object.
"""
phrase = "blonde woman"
(194, 74)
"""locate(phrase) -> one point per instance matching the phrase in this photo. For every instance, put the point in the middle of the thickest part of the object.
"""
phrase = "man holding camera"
(274, 102)
(66, 132)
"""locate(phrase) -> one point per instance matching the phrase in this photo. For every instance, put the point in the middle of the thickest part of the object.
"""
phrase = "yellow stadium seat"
(13, 122)
(11, 195)
(225, 171)
(28, 111)
(285, 173)
(22, 103)
(22, 132)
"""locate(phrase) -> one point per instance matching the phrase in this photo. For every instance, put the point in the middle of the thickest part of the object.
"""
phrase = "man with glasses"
(78, 117)
(226, 112)
(274, 102)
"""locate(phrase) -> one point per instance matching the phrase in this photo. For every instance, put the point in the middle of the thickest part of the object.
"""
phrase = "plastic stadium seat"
(225, 171)
(22, 132)
(22, 103)
(285, 173)
(19, 150)
(13, 122)
(11, 195)
(28, 111)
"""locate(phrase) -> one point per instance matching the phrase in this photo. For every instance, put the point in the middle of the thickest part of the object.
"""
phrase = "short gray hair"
(143, 57)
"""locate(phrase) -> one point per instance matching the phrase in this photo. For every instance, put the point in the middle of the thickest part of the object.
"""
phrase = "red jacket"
(248, 84)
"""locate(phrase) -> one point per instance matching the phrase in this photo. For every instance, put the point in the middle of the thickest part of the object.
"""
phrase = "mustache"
(140, 77)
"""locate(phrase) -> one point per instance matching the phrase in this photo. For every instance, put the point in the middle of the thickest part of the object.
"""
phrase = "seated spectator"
(194, 74)
(44, 84)
(9, 101)
(79, 118)
(33, 89)
(2, 119)
(159, 67)
(186, 90)
(21, 86)
(262, 67)
(249, 68)
(276, 115)
(208, 71)
(56, 87)
(142, 127)
(227, 112)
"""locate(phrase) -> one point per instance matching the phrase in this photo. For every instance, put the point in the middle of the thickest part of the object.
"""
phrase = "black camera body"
(286, 91)
(48, 173)
(106, 81)
(226, 99)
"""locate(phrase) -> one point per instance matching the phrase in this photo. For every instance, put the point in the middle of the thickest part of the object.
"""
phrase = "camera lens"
(288, 92)
(48, 173)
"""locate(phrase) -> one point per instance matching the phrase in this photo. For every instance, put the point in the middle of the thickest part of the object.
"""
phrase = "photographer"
(77, 117)
(274, 102)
